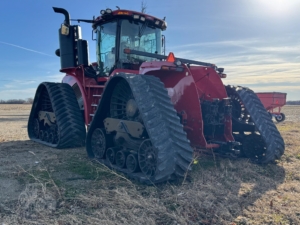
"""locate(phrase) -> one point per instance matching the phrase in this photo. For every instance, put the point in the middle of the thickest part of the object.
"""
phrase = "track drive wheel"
(239, 112)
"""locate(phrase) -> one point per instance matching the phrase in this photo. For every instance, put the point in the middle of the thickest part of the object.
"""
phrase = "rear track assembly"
(55, 119)
(265, 143)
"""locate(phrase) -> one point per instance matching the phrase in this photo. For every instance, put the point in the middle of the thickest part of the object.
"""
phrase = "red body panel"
(186, 89)
(272, 100)
(90, 90)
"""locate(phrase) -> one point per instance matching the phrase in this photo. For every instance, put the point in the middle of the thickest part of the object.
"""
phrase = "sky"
(256, 41)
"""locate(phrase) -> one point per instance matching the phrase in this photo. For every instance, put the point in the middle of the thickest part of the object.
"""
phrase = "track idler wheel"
(147, 158)
(99, 143)
(132, 163)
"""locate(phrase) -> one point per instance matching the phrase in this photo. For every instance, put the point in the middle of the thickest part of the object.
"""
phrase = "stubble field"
(41, 185)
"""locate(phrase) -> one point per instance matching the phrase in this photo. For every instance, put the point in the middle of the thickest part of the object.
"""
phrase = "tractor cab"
(119, 30)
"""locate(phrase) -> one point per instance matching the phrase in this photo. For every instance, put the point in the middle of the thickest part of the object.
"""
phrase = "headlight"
(164, 25)
(136, 17)
(108, 11)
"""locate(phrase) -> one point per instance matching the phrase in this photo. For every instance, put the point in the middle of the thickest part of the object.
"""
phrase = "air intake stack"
(73, 51)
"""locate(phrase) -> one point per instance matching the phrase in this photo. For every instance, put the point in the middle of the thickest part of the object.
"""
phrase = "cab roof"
(109, 15)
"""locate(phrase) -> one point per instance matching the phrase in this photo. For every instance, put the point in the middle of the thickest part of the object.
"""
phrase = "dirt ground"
(41, 185)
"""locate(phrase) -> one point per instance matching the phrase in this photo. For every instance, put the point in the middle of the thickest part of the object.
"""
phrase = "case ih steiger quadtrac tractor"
(146, 113)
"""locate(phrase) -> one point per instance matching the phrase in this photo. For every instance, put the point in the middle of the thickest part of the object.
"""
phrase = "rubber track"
(263, 123)
(174, 153)
(71, 127)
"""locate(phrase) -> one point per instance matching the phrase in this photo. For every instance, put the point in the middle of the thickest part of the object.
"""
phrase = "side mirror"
(94, 31)
(57, 52)
(64, 30)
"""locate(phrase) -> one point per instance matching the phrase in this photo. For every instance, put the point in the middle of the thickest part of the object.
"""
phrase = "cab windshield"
(133, 35)
(106, 42)
(138, 36)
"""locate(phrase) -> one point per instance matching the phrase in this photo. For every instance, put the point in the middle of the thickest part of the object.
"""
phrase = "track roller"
(121, 158)
(132, 163)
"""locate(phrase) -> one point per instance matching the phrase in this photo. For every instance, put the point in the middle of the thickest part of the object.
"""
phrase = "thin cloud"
(27, 49)
(17, 93)
(55, 77)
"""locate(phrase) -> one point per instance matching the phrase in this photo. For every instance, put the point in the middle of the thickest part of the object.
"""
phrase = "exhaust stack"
(73, 51)
(65, 12)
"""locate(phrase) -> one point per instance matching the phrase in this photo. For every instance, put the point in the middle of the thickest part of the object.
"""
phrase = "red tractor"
(145, 113)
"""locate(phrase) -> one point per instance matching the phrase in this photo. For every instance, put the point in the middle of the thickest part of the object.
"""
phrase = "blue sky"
(256, 41)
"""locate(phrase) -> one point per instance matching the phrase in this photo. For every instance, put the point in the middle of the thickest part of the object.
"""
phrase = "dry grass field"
(41, 185)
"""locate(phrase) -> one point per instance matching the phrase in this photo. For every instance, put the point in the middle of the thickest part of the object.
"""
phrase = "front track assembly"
(55, 119)
(140, 131)
(253, 127)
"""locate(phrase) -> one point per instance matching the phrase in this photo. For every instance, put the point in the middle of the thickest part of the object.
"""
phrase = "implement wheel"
(280, 117)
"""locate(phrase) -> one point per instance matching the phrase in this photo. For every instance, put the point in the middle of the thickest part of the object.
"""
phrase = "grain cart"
(273, 101)
(145, 113)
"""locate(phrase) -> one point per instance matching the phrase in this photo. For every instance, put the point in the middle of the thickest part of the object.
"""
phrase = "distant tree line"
(293, 102)
(30, 101)
(17, 101)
